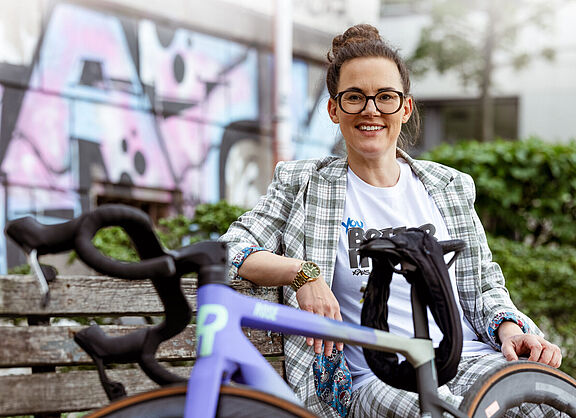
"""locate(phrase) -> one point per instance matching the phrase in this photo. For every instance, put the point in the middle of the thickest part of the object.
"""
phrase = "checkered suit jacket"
(300, 217)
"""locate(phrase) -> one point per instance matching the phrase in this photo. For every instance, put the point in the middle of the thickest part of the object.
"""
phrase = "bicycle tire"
(235, 401)
(516, 383)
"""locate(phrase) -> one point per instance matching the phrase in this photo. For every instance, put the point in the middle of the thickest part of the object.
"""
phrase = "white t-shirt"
(374, 211)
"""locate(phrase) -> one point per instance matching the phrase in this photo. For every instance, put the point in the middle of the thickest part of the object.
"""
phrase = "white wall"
(330, 16)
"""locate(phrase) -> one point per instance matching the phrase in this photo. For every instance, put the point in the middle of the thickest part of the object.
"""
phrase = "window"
(460, 119)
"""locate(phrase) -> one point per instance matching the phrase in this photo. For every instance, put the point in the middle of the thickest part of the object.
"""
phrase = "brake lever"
(42, 280)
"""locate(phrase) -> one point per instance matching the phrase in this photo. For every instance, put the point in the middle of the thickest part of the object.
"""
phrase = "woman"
(303, 234)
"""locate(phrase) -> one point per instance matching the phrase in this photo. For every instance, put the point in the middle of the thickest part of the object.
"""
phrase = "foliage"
(114, 242)
(455, 33)
(174, 231)
(210, 221)
(21, 269)
(541, 283)
(461, 34)
(216, 218)
(526, 190)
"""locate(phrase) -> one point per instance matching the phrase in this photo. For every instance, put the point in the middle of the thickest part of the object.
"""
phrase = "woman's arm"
(268, 269)
(262, 227)
(256, 244)
(495, 305)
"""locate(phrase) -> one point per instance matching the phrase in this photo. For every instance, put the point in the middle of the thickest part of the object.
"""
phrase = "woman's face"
(370, 134)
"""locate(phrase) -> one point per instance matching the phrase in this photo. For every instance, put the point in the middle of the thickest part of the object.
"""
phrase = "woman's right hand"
(316, 297)
(268, 269)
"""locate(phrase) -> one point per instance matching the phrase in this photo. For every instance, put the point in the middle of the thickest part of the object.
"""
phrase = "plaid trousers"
(377, 399)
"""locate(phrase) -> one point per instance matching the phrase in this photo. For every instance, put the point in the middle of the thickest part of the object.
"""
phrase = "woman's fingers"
(535, 347)
(551, 354)
(316, 297)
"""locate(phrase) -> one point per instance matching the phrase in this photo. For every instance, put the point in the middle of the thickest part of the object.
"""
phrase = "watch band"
(302, 278)
(298, 281)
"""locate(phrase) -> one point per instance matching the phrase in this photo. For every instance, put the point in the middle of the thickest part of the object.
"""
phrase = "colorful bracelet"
(505, 316)
(241, 256)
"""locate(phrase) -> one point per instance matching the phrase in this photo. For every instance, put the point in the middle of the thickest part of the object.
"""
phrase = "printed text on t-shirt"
(356, 235)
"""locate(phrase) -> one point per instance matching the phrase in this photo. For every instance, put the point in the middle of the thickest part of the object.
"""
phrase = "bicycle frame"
(224, 353)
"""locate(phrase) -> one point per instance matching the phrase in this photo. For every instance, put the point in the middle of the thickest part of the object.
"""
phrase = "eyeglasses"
(354, 102)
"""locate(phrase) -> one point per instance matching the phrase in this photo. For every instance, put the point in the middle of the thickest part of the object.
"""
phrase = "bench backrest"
(39, 341)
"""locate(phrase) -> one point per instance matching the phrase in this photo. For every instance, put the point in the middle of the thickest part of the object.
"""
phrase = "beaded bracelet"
(241, 256)
(501, 317)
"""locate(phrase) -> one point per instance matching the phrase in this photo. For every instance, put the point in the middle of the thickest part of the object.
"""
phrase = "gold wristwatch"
(308, 272)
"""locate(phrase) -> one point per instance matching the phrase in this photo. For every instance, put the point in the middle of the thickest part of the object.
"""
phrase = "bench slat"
(72, 391)
(54, 345)
(99, 295)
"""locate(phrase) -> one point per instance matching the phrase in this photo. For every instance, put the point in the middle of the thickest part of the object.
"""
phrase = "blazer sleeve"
(497, 305)
(263, 226)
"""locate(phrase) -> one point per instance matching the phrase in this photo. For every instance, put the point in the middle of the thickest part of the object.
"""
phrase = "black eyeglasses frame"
(338, 99)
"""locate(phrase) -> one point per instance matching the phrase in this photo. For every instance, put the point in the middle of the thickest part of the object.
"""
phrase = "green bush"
(114, 242)
(542, 283)
(526, 190)
(209, 222)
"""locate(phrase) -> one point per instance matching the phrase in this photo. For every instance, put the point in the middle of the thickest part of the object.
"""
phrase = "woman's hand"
(317, 297)
(515, 343)
(267, 269)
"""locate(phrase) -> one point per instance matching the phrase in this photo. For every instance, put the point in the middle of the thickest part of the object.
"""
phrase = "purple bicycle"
(230, 377)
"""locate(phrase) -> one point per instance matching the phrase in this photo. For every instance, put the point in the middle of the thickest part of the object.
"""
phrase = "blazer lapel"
(324, 209)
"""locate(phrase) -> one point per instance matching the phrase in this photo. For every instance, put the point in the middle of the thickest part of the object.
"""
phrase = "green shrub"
(209, 222)
(542, 283)
(21, 269)
(114, 242)
(526, 190)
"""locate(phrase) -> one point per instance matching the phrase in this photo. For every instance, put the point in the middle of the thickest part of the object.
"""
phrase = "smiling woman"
(316, 212)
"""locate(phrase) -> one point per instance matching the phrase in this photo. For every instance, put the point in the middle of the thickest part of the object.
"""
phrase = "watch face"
(311, 269)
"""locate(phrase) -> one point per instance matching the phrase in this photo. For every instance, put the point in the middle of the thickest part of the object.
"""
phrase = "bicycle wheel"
(520, 382)
(169, 402)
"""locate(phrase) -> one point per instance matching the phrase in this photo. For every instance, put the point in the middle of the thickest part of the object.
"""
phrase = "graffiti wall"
(121, 107)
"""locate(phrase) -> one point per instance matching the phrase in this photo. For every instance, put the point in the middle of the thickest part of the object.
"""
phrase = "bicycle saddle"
(421, 257)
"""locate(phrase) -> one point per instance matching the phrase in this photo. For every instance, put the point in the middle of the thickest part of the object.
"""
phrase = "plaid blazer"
(300, 217)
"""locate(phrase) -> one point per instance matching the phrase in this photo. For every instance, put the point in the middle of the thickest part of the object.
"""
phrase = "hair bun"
(355, 34)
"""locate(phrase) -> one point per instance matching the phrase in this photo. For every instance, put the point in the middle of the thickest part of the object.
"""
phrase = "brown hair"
(364, 41)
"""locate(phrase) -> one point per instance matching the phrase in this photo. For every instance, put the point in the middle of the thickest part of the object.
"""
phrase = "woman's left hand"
(532, 346)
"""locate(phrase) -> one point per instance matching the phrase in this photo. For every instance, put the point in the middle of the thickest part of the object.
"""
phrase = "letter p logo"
(207, 332)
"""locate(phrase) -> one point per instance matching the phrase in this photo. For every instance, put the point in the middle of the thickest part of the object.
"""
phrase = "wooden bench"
(58, 377)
